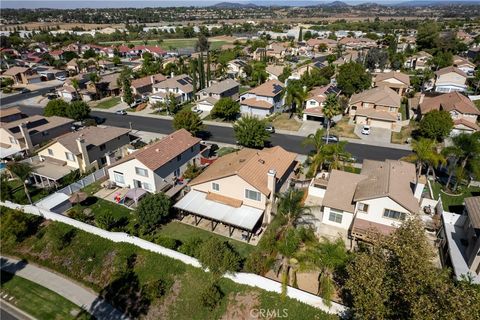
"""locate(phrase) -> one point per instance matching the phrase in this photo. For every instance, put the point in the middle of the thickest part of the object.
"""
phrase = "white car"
(366, 130)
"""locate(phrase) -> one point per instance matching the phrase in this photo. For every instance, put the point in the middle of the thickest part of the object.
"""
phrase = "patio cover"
(7, 150)
(135, 194)
(243, 217)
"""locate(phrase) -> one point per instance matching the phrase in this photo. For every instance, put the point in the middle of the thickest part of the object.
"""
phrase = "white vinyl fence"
(249, 279)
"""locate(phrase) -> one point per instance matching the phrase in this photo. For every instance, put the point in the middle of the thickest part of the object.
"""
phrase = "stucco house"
(450, 79)
(90, 147)
(377, 107)
(158, 165)
(316, 100)
(383, 195)
(263, 100)
(463, 64)
(239, 188)
(143, 86)
(397, 81)
(462, 110)
(180, 86)
(227, 88)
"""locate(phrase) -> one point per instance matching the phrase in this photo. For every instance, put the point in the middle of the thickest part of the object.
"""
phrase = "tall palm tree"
(425, 155)
(331, 108)
(95, 79)
(335, 155)
(295, 96)
(317, 159)
(22, 171)
(75, 85)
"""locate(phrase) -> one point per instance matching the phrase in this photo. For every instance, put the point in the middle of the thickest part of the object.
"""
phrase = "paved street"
(225, 135)
(68, 289)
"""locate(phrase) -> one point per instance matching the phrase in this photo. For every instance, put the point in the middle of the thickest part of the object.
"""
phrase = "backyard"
(454, 202)
(38, 301)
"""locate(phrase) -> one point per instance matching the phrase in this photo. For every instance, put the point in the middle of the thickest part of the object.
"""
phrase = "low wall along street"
(249, 279)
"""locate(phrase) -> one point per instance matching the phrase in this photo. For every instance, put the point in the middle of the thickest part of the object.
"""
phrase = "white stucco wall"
(346, 219)
(376, 208)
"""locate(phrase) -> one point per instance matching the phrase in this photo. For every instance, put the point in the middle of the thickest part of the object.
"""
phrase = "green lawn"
(103, 206)
(183, 232)
(454, 203)
(127, 273)
(172, 43)
(38, 301)
(109, 103)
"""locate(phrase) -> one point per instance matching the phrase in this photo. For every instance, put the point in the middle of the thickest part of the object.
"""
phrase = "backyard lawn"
(283, 121)
(454, 203)
(180, 231)
(38, 301)
(109, 103)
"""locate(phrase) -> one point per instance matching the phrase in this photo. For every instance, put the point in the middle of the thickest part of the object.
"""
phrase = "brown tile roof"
(363, 226)
(15, 70)
(383, 96)
(155, 155)
(222, 86)
(466, 123)
(183, 82)
(252, 102)
(341, 189)
(314, 111)
(390, 178)
(376, 114)
(450, 69)
(35, 124)
(93, 136)
(274, 69)
(224, 200)
(271, 88)
(148, 80)
(251, 165)
(9, 111)
(472, 204)
(449, 102)
(393, 74)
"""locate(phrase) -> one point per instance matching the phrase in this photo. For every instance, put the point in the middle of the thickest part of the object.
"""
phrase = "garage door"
(314, 118)
(381, 124)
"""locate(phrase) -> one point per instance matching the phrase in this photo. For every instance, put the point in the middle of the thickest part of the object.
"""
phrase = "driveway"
(378, 136)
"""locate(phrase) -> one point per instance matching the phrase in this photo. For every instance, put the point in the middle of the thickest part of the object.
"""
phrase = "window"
(215, 186)
(70, 156)
(102, 147)
(147, 186)
(335, 216)
(12, 140)
(45, 133)
(392, 214)
(141, 172)
(50, 152)
(191, 149)
(118, 177)
(253, 195)
(179, 157)
(363, 207)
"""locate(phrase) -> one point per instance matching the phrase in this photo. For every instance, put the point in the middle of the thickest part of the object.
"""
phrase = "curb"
(16, 311)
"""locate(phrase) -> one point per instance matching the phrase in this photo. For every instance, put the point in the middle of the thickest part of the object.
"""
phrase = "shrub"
(157, 288)
(167, 242)
(61, 236)
(211, 296)
(191, 246)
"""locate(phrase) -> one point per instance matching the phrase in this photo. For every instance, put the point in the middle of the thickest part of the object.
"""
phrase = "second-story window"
(50, 152)
(69, 156)
(179, 157)
(392, 214)
(215, 186)
(363, 207)
(141, 172)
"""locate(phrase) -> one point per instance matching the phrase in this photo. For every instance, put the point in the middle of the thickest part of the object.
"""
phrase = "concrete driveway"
(379, 136)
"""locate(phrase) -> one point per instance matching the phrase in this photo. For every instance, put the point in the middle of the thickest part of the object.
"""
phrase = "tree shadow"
(9, 268)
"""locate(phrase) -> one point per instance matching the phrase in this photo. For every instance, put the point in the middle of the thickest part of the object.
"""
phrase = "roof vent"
(261, 161)
(157, 150)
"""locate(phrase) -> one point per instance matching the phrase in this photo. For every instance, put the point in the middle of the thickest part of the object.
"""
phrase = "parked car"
(366, 130)
(61, 78)
(25, 90)
(330, 138)
(121, 112)
(270, 128)
(197, 110)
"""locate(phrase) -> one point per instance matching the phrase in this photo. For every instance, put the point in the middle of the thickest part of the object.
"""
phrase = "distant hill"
(432, 3)
(234, 5)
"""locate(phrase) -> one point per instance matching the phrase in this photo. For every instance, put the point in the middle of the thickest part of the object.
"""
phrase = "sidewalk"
(68, 289)
(301, 133)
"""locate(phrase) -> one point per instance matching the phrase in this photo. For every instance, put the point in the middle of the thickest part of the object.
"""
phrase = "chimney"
(272, 186)
(172, 74)
(83, 150)
(26, 137)
(152, 80)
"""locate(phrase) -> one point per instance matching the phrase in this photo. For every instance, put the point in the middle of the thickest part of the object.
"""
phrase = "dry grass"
(284, 122)
(405, 133)
(343, 129)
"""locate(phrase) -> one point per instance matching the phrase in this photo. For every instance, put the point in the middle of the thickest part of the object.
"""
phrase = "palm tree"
(290, 206)
(95, 79)
(336, 155)
(295, 96)
(75, 85)
(466, 151)
(315, 140)
(22, 171)
(331, 108)
(425, 155)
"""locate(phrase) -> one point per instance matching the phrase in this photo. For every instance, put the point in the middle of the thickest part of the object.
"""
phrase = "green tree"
(6, 190)
(436, 125)
(295, 95)
(425, 155)
(22, 171)
(331, 108)
(317, 158)
(16, 225)
(95, 79)
(152, 211)
(188, 120)
(352, 78)
(300, 34)
(251, 132)
(219, 257)
(172, 104)
(76, 85)
(127, 92)
(226, 108)
(90, 53)
(335, 155)
(116, 60)
(56, 107)
(78, 110)
(395, 278)
(428, 36)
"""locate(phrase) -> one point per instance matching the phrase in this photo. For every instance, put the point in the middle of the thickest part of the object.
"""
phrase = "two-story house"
(28, 133)
(463, 64)
(463, 111)
(460, 241)
(316, 100)
(228, 88)
(396, 81)
(180, 86)
(143, 86)
(383, 195)
(377, 107)
(158, 165)
(238, 189)
(263, 100)
(10, 114)
(450, 79)
(87, 148)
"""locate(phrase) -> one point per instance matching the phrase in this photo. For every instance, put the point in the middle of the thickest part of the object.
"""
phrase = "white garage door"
(381, 124)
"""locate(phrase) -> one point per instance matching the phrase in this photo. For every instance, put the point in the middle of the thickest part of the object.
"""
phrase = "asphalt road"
(22, 96)
(225, 135)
